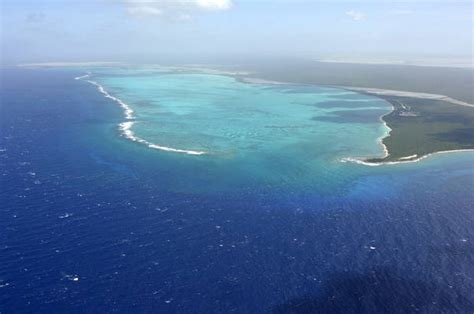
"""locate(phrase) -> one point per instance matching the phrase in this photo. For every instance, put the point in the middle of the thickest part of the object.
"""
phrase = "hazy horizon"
(236, 156)
(206, 30)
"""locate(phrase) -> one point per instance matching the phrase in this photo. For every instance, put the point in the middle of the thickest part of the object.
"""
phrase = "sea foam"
(82, 76)
(126, 127)
(402, 160)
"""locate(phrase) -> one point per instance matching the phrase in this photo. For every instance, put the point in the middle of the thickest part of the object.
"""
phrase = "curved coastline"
(379, 93)
(126, 126)
(361, 161)
(364, 161)
(401, 160)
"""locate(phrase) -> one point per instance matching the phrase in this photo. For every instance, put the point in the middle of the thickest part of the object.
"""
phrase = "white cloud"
(144, 10)
(214, 4)
(178, 9)
(355, 15)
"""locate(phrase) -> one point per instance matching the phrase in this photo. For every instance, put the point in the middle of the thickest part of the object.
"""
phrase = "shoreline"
(375, 164)
(387, 134)
(401, 160)
(126, 126)
(385, 92)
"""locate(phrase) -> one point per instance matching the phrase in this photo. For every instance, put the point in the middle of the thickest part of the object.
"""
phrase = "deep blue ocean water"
(92, 222)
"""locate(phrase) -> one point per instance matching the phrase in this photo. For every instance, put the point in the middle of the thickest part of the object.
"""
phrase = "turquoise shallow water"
(270, 221)
(253, 134)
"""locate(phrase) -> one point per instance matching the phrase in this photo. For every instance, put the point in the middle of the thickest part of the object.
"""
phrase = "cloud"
(144, 10)
(214, 4)
(355, 15)
(176, 9)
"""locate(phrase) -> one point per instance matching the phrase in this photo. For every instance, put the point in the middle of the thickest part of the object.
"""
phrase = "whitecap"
(66, 215)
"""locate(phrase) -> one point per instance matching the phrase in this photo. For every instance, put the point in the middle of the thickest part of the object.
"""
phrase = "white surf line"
(126, 127)
(83, 76)
(127, 110)
(375, 164)
(381, 138)
(408, 157)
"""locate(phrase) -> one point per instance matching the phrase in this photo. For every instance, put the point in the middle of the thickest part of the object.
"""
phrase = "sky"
(147, 30)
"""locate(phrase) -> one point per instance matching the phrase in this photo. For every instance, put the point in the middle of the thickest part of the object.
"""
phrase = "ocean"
(213, 195)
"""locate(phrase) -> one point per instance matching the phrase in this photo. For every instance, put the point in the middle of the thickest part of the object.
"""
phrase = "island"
(432, 112)
(422, 124)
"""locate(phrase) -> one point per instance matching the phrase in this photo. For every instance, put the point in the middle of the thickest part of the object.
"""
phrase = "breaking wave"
(126, 126)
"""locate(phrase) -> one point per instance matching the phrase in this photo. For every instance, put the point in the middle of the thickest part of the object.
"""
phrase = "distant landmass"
(457, 83)
(429, 62)
(432, 106)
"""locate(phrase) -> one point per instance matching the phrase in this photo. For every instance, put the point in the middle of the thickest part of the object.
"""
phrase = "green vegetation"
(421, 126)
(457, 83)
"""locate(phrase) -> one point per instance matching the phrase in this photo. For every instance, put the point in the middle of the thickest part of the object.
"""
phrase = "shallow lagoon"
(95, 222)
(255, 134)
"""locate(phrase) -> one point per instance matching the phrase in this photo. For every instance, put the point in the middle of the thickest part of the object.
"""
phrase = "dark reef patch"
(337, 104)
(351, 116)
